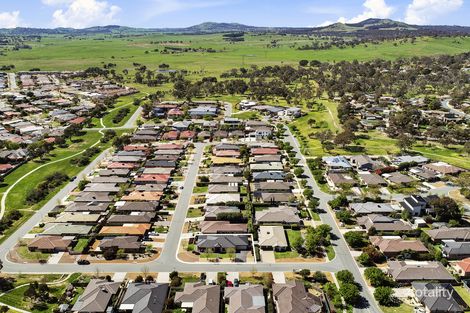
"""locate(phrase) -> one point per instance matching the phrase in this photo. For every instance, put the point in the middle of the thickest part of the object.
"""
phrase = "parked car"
(236, 282)
(83, 262)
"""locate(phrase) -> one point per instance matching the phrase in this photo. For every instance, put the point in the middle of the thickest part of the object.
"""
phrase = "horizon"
(184, 13)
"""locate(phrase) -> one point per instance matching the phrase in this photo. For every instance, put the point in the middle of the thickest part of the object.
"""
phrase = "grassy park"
(61, 53)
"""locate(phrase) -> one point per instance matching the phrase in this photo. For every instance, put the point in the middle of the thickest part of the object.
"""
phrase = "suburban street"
(168, 261)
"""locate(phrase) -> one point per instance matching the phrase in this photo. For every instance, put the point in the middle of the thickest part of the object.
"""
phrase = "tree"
(303, 62)
(305, 273)
(377, 277)
(139, 279)
(345, 276)
(344, 138)
(354, 239)
(298, 171)
(364, 259)
(446, 209)
(338, 202)
(384, 296)
(405, 142)
(344, 216)
(350, 293)
(297, 243)
(319, 277)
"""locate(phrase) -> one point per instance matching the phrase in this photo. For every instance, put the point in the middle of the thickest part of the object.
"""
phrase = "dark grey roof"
(145, 298)
(268, 175)
(138, 206)
(222, 241)
(439, 297)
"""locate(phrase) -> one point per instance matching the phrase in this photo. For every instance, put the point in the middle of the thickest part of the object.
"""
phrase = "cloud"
(372, 9)
(10, 19)
(83, 13)
(424, 11)
(161, 7)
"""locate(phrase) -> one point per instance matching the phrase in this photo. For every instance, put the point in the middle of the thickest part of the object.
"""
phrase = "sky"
(183, 13)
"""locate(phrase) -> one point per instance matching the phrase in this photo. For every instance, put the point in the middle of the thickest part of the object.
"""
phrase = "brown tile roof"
(50, 243)
(143, 196)
(387, 245)
(205, 298)
(292, 297)
(128, 229)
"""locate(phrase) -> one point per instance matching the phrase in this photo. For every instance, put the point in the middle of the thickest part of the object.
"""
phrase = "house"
(143, 196)
(455, 250)
(219, 188)
(398, 178)
(278, 215)
(275, 197)
(129, 244)
(188, 135)
(362, 162)
(415, 204)
(199, 298)
(144, 298)
(94, 197)
(382, 223)
(371, 179)
(87, 207)
(126, 229)
(454, 233)
(371, 208)
(337, 163)
(224, 179)
(335, 180)
(264, 151)
(102, 187)
(272, 166)
(226, 170)
(49, 244)
(222, 227)
(443, 168)
(134, 217)
(269, 176)
(417, 159)
(202, 111)
(212, 211)
(292, 297)
(97, 296)
(463, 267)
(271, 187)
(272, 238)
(216, 198)
(63, 229)
(394, 245)
(424, 174)
(78, 218)
(439, 297)
(220, 243)
(245, 299)
(136, 206)
(225, 161)
(266, 158)
(407, 272)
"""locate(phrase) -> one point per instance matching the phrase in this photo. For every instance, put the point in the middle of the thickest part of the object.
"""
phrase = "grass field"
(60, 53)
(122, 102)
(403, 308)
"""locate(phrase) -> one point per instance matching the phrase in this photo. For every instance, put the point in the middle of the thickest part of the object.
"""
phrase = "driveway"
(267, 256)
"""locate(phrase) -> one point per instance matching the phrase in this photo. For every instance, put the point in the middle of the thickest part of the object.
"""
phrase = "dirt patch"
(301, 260)
(187, 256)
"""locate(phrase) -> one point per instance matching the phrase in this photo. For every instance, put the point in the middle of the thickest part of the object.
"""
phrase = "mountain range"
(369, 25)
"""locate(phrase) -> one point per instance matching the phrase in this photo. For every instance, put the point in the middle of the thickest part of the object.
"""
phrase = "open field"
(60, 53)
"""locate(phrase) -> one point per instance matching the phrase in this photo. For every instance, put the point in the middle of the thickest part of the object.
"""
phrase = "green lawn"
(28, 255)
(463, 293)
(247, 115)
(202, 189)
(123, 102)
(403, 308)
(285, 255)
(195, 212)
(81, 245)
(330, 252)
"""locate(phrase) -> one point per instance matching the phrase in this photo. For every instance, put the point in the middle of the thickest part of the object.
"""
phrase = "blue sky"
(180, 13)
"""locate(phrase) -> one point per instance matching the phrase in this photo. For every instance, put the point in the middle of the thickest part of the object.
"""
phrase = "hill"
(369, 26)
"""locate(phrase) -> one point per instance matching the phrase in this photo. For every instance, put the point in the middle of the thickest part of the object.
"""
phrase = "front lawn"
(403, 308)
(24, 253)
(286, 255)
(463, 293)
(81, 245)
(195, 212)
(202, 189)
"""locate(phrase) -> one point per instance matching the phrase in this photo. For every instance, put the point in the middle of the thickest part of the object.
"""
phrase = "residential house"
(269, 176)
(128, 244)
(97, 296)
(200, 298)
(439, 297)
(220, 243)
(463, 267)
(125, 230)
(337, 163)
(292, 297)
(278, 215)
(443, 168)
(245, 299)
(454, 233)
(455, 250)
(49, 244)
(394, 245)
(144, 298)
(272, 238)
(63, 229)
(212, 211)
(217, 198)
(407, 272)
(415, 204)
(372, 179)
(383, 223)
(222, 227)
(336, 180)
(363, 208)
(398, 178)
(136, 206)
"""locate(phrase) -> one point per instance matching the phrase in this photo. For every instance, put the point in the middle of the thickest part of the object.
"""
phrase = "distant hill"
(372, 25)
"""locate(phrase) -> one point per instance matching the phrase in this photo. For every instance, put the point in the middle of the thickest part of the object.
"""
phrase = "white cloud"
(10, 19)
(372, 9)
(84, 13)
(424, 11)
(161, 7)
(56, 2)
